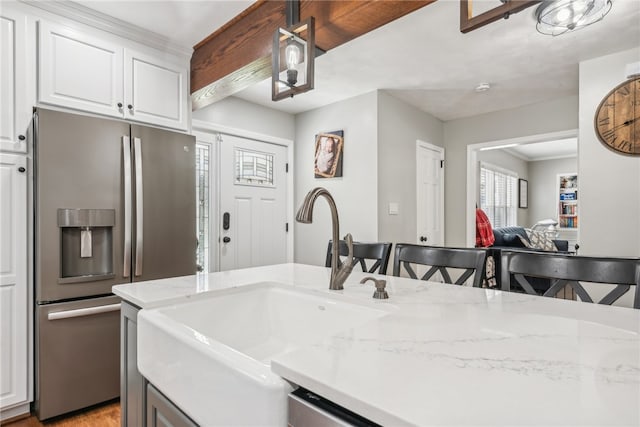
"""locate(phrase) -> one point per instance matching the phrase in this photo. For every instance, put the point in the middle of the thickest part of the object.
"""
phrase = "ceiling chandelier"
(557, 17)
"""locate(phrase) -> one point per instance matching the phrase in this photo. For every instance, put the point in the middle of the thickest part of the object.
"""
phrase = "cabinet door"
(161, 412)
(14, 80)
(80, 71)
(155, 90)
(13, 281)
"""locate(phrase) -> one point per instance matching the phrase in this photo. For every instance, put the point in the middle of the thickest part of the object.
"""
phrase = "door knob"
(226, 239)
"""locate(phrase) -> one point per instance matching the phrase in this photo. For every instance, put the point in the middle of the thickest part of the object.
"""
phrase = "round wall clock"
(617, 120)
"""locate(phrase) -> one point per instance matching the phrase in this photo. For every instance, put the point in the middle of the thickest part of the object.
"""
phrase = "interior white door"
(253, 200)
(429, 194)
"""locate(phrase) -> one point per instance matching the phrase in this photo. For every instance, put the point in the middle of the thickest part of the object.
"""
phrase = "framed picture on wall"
(523, 193)
(328, 154)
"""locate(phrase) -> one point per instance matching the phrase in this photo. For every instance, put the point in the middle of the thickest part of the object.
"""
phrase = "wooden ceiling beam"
(238, 54)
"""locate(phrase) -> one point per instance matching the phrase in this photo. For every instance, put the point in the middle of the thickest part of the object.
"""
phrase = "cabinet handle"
(81, 312)
(119, 104)
(21, 137)
(21, 169)
(130, 107)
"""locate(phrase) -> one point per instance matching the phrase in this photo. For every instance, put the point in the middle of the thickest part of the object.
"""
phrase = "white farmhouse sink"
(211, 356)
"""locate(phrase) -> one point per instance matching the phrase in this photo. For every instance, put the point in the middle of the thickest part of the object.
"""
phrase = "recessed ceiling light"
(483, 87)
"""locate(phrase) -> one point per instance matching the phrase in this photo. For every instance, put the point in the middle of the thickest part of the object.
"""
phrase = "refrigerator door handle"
(126, 152)
(80, 312)
(139, 197)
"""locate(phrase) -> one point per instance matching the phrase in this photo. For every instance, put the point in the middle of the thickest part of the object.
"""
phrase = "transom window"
(498, 195)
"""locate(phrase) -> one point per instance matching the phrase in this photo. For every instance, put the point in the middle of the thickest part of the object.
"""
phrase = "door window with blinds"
(498, 195)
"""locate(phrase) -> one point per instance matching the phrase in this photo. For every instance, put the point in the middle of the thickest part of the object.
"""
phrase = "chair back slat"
(463, 278)
(574, 271)
(440, 259)
(363, 252)
(410, 271)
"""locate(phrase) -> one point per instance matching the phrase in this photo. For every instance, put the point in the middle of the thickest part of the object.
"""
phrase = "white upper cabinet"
(79, 71)
(155, 90)
(101, 75)
(15, 92)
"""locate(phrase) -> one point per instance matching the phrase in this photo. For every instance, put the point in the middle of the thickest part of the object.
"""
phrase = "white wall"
(399, 126)
(543, 182)
(552, 116)
(609, 182)
(240, 114)
(356, 193)
(505, 160)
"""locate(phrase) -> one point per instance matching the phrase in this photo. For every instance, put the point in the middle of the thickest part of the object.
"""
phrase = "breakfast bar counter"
(446, 355)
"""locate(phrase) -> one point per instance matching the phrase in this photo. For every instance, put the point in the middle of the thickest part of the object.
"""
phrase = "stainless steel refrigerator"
(114, 203)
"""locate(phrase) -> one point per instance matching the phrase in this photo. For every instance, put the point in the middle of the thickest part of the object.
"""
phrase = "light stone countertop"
(451, 355)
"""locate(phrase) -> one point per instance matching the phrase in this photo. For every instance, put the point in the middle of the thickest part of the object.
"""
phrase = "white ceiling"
(185, 22)
(421, 58)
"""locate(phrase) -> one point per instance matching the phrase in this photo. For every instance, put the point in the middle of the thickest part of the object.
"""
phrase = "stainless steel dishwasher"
(307, 409)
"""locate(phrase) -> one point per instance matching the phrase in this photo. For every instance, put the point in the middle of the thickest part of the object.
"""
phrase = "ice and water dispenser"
(86, 243)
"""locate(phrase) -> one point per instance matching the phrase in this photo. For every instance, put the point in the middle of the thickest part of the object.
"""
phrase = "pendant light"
(293, 55)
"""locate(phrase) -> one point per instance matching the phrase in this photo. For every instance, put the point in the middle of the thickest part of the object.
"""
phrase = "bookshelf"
(568, 201)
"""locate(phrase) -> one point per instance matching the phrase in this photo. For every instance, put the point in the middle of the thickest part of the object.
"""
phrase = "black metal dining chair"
(570, 270)
(441, 259)
(379, 253)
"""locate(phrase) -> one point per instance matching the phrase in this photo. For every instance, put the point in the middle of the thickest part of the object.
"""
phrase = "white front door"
(429, 194)
(253, 200)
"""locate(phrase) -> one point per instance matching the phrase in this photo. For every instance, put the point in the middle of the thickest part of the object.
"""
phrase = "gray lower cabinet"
(162, 413)
(132, 384)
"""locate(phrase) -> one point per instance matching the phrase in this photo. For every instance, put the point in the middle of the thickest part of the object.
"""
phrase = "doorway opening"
(523, 150)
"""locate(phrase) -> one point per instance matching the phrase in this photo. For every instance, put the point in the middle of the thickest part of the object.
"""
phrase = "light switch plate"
(393, 208)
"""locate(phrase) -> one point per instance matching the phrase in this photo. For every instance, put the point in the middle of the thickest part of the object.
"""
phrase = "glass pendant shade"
(292, 55)
(292, 59)
(557, 17)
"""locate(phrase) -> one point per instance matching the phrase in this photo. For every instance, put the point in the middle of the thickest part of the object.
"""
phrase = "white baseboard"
(15, 411)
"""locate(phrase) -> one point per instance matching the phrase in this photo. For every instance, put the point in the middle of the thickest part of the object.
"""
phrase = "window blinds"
(498, 195)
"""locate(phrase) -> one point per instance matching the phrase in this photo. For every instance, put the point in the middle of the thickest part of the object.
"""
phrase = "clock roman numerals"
(616, 122)
(624, 90)
(624, 145)
(608, 134)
